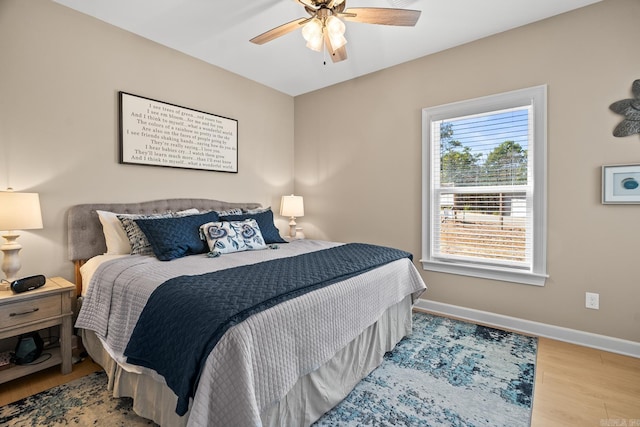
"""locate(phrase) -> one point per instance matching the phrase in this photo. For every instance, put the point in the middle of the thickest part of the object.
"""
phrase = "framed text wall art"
(157, 133)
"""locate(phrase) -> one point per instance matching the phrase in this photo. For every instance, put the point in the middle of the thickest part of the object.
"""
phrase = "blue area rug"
(447, 373)
(82, 402)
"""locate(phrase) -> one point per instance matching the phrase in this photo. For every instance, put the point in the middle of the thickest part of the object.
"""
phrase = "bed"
(285, 365)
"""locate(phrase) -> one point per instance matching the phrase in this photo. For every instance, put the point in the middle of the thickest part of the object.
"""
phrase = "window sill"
(495, 273)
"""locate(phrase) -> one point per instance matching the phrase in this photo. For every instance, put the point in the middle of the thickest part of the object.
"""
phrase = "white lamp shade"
(19, 211)
(315, 43)
(292, 206)
(335, 31)
(335, 26)
(337, 41)
(312, 29)
(312, 33)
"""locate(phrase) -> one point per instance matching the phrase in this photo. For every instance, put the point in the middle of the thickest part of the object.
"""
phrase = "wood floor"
(43, 380)
(574, 386)
(579, 386)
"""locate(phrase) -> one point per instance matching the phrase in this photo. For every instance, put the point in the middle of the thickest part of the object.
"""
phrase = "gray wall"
(361, 175)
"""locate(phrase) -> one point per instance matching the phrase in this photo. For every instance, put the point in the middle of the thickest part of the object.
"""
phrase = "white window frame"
(536, 274)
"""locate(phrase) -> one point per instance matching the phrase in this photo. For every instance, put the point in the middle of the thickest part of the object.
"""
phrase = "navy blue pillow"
(270, 233)
(174, 238)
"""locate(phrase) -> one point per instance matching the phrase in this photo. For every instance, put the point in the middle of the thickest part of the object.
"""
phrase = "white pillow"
(114, 235)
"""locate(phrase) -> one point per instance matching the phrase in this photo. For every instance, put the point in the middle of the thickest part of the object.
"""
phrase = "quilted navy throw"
(186, 316)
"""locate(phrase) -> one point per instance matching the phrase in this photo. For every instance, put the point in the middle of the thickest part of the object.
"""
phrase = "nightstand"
(47, 306)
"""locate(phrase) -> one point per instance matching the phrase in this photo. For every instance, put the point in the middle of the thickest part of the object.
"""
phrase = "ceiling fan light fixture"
(337, 41)
(315, 43)
(312, 29)
(335, 26)
(335, 30)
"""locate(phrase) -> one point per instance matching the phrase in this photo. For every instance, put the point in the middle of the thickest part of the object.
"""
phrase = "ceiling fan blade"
(276, 32)
(337, 55)
(308, 4)
(382, 16)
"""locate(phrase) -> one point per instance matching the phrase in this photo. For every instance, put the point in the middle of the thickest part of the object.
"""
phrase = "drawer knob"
(33, 310)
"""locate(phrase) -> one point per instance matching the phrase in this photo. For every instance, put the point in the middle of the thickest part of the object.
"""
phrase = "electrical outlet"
(592, 300)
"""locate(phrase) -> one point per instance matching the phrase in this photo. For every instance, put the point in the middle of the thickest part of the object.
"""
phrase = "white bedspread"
(259, 360)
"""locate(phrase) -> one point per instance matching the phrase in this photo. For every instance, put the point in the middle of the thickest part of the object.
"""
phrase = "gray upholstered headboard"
(85, 236)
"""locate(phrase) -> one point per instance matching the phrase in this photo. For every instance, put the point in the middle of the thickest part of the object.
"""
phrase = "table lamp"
(18, 211)
(292, 206)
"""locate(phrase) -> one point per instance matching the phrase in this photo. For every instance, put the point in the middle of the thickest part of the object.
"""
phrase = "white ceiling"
(218, 32)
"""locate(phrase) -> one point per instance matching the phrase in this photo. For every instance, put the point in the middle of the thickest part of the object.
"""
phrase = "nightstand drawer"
(32, 310)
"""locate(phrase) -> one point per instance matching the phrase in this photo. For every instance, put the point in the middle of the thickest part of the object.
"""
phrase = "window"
(484, 185)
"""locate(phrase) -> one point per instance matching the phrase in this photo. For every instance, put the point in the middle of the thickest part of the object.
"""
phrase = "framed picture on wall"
(621, 184)
(157, 133)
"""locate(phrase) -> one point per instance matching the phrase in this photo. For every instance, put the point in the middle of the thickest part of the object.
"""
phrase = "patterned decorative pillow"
(233, 236)
(176, 237)
(253, 211)
(137, 240)
(264, 219)
(234, 211)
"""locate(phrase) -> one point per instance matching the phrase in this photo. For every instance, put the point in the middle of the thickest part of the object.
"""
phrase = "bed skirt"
(310, 397)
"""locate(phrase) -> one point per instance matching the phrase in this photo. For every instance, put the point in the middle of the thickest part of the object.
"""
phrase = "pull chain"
(324, 54)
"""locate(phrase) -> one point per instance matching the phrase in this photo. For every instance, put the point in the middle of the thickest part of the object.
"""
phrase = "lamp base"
(292, 228)
(11, 262)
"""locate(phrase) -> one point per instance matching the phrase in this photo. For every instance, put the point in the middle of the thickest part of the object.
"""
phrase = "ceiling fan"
(324, 27)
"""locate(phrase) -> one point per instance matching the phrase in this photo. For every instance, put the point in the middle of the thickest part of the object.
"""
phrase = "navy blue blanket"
(186, 316)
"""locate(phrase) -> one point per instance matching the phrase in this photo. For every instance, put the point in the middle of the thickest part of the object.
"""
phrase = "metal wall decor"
(630, 109)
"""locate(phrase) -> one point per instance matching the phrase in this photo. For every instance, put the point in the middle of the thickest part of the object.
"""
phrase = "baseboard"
(573, 336)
